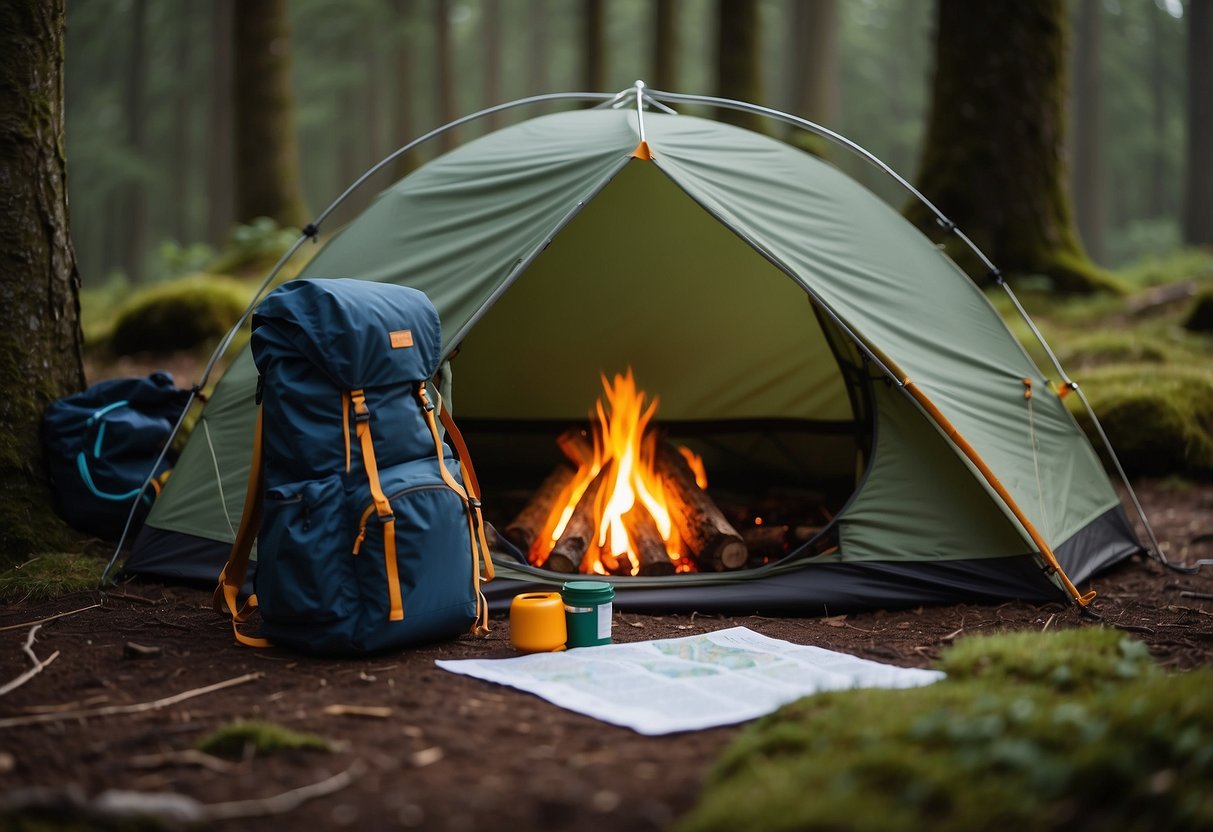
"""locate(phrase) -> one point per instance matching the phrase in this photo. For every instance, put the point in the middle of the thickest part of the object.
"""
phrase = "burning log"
(529, 523)
(712, 540)
(577, 446)
(570, 549)
(647, 542)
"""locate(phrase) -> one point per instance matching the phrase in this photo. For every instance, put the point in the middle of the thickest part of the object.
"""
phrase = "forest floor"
(448, 751)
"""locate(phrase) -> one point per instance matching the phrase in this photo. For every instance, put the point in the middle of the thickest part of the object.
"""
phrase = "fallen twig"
(28, 648)
(171, 808)
(1204, 596)
(185, 757)
(373, 711)
(115, 710)
(1047, 623)
(48, 618)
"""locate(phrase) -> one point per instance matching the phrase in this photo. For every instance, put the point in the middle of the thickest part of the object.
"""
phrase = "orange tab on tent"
(642, 151)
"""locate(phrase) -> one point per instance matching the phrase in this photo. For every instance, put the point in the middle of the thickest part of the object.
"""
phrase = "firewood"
(766, 542)
(528, 525)
(711, 539)
(577, 446)
(647, 542)
(570, 549)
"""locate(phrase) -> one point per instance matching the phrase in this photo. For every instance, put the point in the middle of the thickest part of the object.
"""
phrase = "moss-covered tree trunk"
(812, 47)
(1087, 172)
(40, 342)
(993, 157)
(266, 149)
(220, 177)
(739, 59)
(444, 70)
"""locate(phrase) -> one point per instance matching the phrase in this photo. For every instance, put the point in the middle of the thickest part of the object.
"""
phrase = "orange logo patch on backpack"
(401, 338)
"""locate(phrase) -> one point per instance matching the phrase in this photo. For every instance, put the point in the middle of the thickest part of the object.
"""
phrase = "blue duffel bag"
(101, 444)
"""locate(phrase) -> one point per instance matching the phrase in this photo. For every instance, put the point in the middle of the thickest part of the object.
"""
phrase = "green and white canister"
(587, 612)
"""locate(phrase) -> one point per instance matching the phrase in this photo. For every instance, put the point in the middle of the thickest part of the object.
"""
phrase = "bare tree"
(490, 32)
(134, 214)
(220, 175)
(40, 341)
(665, 45)
(1088, 129)
(267, 150)
(738, 59)
(445, 70)
(1198, 204)
(593, 45)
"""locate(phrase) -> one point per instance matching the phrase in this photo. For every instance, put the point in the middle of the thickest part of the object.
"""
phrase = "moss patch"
(243, 739)
(49, 576)
(1159, 419)
(1200, 315)
(180, 315)
(992, 747)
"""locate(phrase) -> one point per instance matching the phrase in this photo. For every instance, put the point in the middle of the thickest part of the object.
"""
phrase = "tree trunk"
(445, 72)
(267, 150)
(1088, 129)
(1159, 93)
(593, 45)
(993, 156)
(404, 125)
(181, 150)
(134, 217)
(220, 176)
(40, 341)
(812, 48)
(739, 60)
(665, 45)
(1198, 204)
(537, 47)
(490, 34)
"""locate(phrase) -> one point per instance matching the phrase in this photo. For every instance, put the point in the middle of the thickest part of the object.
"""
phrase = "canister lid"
(590, 592)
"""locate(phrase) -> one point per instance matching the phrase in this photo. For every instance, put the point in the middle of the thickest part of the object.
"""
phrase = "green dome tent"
(798, 331)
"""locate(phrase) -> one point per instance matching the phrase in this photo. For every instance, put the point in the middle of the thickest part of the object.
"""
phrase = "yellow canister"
(537, 622)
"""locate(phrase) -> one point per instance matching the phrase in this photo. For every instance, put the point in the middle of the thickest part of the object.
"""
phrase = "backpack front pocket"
(305, 572)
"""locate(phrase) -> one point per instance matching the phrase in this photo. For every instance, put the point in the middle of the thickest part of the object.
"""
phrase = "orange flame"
(626, 447)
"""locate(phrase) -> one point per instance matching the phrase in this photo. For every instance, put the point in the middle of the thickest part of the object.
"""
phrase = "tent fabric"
(726, 269)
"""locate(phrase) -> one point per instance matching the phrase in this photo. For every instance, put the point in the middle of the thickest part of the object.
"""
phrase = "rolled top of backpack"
(360, 333)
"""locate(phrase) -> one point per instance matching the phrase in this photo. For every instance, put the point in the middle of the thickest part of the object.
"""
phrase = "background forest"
(150, 123)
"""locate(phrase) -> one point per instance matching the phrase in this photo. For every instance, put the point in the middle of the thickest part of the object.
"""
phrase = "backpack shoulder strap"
(470, 495)
(231, 579)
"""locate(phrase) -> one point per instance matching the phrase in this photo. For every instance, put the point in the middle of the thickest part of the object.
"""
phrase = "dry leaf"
(835, 621)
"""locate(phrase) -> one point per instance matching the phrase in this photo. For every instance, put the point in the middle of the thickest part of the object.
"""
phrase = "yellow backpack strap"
(362, 426)
(231, 579)
(471, 501)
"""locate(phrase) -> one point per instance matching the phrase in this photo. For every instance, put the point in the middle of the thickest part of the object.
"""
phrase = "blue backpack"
(100, 446)
(369, 531)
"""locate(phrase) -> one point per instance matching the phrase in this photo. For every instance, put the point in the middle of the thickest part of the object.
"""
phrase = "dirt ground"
(453, 752)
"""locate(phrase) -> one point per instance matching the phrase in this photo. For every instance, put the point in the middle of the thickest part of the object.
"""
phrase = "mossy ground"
(246, 739)
(1148, 378)
(1071, 730)
(49, 576)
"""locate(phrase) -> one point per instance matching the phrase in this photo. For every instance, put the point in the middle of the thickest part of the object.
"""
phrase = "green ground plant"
(49, 576)
(1074, 730)
(255, 738)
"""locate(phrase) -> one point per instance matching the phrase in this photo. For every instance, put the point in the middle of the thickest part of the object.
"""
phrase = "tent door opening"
(749, 376)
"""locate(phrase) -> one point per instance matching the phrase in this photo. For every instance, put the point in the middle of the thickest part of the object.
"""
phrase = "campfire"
(629, 502)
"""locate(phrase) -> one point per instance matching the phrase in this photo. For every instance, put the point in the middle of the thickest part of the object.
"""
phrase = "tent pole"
(949, 226)
(310, 232)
